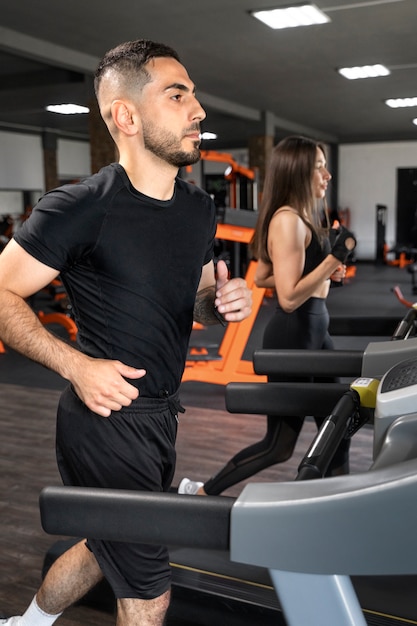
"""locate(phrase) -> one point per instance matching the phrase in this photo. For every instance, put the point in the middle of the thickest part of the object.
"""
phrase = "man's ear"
(123, 117)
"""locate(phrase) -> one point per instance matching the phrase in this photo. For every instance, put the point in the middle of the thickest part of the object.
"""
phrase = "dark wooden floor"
(207, 437)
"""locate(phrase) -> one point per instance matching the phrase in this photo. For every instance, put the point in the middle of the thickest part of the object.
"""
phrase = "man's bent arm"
(222, 300)
(20, 277)
(100, 383)
(21, 329)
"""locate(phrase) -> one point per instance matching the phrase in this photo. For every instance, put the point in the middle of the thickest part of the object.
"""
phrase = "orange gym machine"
(236, 225)
(233, 175)
(228, 365)
(399, 256)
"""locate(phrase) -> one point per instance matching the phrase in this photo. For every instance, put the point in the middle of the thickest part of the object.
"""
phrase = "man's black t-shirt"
(131, 266)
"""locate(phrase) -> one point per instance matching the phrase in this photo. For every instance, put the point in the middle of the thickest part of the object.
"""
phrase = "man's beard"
(167, 147)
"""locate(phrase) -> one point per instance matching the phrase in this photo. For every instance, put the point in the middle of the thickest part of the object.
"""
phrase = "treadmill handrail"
(364, 524)
(308, 362)
(288, 399)
(406, 326)
(137, 516)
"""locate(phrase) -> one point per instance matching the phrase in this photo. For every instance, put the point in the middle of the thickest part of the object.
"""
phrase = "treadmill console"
(396, 396)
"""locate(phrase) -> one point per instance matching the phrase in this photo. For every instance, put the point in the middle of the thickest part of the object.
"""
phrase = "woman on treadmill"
(299, 258)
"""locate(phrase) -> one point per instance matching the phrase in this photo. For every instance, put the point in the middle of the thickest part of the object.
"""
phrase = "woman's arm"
(288, 238)
(264, 276)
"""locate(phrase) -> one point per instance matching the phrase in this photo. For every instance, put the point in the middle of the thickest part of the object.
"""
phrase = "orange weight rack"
(232, 232)
(235, 174)
(236, 170)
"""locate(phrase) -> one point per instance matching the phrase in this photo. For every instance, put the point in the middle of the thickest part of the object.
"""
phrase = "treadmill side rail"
(271, 524)
(380, 356)
(137, 516)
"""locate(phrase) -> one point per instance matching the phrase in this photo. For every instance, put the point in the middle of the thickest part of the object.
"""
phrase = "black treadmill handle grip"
(405, 326)
(137, 516)
(331, 433)
(308, 362)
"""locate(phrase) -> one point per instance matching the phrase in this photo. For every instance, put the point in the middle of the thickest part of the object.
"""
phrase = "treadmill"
(339, 551)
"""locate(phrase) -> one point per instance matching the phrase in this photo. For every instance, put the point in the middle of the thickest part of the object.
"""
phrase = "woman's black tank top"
(316, 252)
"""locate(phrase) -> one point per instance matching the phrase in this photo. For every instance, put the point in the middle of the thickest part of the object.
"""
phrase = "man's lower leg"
(69, 579)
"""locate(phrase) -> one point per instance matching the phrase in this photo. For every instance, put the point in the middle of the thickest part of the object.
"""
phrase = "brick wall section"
(260, 148)
(102, 147)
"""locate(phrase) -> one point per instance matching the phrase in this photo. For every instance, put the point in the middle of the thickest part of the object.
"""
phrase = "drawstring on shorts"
(173, 402)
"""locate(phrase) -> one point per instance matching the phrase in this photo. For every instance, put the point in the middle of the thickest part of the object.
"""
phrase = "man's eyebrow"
(180, 87)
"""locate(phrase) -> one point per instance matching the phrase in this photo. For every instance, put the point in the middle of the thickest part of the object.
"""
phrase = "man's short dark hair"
(129, 58)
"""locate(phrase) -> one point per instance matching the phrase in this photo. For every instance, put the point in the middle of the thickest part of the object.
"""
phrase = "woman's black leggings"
(306, 328)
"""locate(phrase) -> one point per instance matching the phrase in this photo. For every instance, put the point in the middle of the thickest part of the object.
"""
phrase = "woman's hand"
(339, 274)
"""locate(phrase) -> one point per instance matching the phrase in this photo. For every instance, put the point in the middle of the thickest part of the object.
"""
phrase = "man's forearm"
(21, 329)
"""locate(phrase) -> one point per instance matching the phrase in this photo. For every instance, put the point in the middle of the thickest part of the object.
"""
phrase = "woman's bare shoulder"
(286, 212)
(286, 215)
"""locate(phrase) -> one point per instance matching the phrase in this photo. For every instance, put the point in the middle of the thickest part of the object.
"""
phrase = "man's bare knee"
(132, 611)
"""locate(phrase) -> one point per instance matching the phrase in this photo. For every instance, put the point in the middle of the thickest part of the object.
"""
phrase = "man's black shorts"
(131, 449)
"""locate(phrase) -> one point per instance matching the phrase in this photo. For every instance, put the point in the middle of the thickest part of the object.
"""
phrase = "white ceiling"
(252, 80)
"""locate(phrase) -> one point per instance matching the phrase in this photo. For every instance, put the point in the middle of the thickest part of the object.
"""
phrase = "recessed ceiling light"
(398, 103)
(67, 109)
(364, 71)
(415, 121)
(292, 16)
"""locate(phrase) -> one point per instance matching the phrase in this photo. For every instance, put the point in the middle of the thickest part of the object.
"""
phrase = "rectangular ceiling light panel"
(364, 71)
(400, 103)
(292, 16)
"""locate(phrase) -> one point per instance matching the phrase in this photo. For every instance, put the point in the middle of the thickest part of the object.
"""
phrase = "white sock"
(34, 616)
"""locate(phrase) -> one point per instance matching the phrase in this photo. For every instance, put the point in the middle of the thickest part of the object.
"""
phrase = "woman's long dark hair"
(288, 182)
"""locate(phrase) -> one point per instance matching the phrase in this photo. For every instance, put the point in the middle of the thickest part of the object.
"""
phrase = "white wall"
(21, 161)
(73, 159)
(21, 167)
(367, 177)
